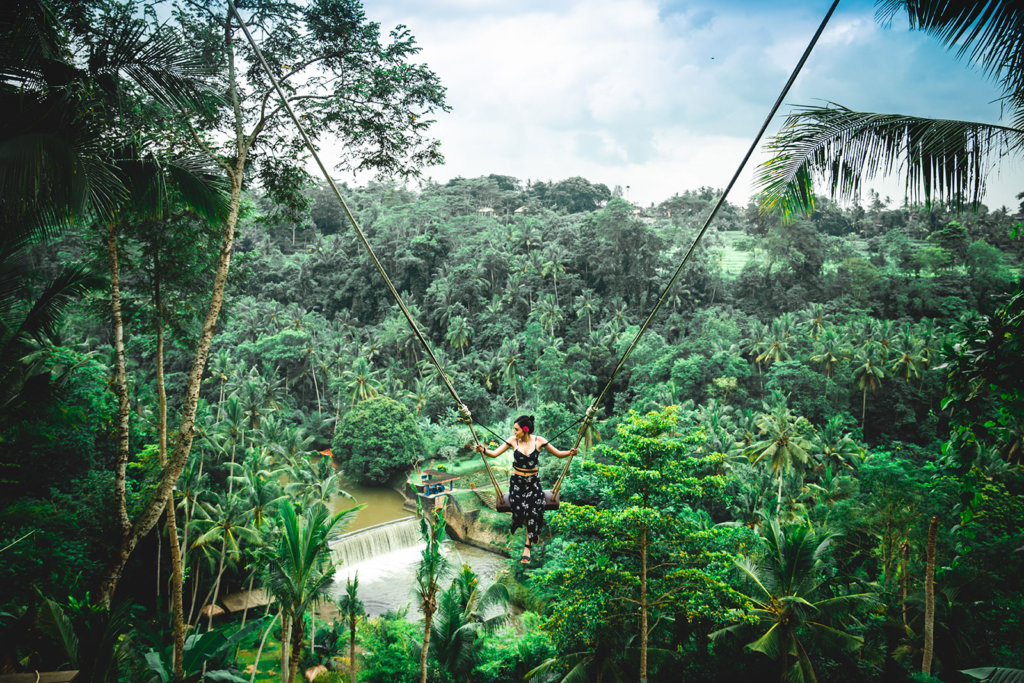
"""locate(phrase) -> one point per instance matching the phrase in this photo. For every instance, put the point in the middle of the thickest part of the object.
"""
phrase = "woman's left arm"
(554, 451)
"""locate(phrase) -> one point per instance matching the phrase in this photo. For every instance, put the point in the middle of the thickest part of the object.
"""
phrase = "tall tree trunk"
(248, 597)
(195, 590)
(159, 559)
(864, 409)
(296, 646)
(177, 601)
(216, 582)
(120, 386)
(428, 618)
(904, 579)
(929, 599)
(131, 533)
(312, 630)
(643, 606)
(177, 593)
(286, 632)
(259, 652)
(352, 646)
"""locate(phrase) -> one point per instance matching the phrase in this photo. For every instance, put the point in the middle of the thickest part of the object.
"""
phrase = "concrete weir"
(380, 539)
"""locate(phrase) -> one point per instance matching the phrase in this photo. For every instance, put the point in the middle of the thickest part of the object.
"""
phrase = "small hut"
(434, 484)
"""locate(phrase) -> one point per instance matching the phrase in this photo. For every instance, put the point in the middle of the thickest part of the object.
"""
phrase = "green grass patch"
(270, 659)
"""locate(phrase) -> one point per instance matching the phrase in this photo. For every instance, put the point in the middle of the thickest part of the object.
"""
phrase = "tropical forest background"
(809, 466)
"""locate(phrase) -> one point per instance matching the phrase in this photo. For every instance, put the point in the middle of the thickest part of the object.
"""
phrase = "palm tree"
(942, 159)
(455, 640)
(789, 598)
(585, 307)
(868, 375)
(459, 333)
(548, 313)
(908, 360)
(814, 320)
(783, 442)
(829, 351)
(776, 345)
(225, 521)
(509, 353)
(360, 380)
(432, 567)
(299, 571)
(258, 488)
(835, 443)
(351, 609)
(555, 257)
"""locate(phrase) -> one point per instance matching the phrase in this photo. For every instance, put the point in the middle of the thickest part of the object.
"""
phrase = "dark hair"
(525, 423)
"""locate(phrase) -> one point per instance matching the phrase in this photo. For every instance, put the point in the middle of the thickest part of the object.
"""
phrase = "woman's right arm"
(495, 453)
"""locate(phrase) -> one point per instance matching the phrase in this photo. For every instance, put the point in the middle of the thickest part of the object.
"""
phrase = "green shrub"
(375, 440)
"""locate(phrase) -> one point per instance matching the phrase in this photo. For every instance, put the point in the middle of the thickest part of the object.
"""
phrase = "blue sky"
(665, 96)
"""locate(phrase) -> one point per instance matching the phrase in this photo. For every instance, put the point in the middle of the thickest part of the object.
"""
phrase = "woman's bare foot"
(526, 556)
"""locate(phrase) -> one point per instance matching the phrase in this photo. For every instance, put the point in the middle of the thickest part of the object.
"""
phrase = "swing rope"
(591, 411)
(463, 410)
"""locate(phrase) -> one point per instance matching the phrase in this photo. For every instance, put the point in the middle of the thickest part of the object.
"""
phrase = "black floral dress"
(525, 495)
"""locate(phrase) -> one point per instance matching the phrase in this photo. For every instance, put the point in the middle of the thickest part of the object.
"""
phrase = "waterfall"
(365, 544)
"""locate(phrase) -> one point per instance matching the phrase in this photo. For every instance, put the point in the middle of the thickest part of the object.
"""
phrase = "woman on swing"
(525, 495)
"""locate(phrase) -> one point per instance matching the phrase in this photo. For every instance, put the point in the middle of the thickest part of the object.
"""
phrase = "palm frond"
(995, 674)
(988, 34)
(158, 63)
(771, 643)
(940, 159)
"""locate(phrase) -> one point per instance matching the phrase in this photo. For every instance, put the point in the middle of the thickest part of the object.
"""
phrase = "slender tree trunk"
(248, 597)
(131, 533)
(643, 606)
(296, 645)
(352, 646)
(864, 409)
(177, 601)
(259, 651)
(286, 633)
(216, 583)
(177, 597)
(120, 388)
(929, 599)
(904, 579)
(428, 618)
(312, 371)
(195, 590)
(159, 559)
(312, 630)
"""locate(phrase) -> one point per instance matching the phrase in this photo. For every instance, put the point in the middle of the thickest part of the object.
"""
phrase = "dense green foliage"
(377, 439)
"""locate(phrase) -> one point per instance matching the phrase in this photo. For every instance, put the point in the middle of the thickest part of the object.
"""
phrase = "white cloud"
(657, 95)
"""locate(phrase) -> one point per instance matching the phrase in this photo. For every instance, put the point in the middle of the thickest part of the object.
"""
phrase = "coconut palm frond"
(202, 187)
(48, 309)
(156, 63)
(995, 674)
(987, 34)
(940, 159)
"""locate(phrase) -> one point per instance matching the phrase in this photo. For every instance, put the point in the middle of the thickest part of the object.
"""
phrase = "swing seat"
(551, 502)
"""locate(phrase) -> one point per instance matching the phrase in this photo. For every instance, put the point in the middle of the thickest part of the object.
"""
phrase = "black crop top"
(524, 461)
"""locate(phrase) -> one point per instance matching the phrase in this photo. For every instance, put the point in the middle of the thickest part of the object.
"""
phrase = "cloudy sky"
(663, 96)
